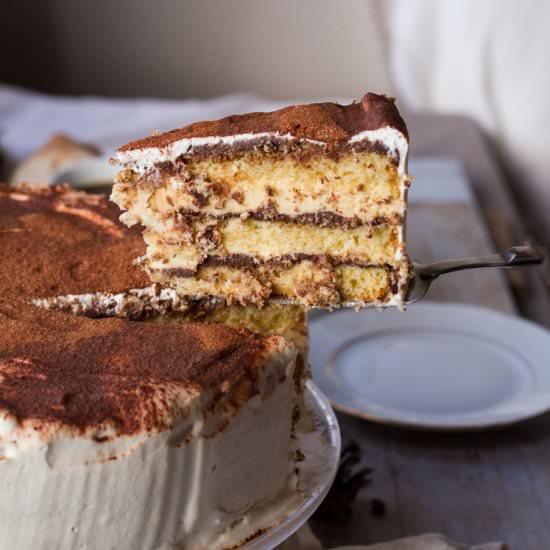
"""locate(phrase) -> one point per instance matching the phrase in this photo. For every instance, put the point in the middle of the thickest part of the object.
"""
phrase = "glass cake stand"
(320, 440)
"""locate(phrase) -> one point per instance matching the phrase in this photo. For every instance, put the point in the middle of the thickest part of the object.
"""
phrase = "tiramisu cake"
(304, 205)
(117, 434)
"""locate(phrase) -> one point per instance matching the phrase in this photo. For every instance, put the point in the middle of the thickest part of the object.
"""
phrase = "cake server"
(425, 275)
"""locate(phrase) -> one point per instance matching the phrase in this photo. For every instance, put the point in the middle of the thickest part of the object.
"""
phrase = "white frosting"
(153, 490)
(131, 303)
(392, 139)
(144, 159)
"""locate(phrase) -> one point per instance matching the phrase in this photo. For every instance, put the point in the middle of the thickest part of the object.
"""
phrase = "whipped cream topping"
(144, 159)
(393, 140)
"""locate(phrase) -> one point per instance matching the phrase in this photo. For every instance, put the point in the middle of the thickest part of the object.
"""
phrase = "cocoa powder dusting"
(84, 372)
(330, 123)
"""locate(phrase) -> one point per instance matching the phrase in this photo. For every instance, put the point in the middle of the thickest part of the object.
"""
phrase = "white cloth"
(304, 539)
(29, 119)
(487, 59)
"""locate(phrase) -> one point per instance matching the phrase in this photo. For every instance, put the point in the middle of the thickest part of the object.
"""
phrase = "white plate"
(89, 173)
(434, 366)
(319, 437)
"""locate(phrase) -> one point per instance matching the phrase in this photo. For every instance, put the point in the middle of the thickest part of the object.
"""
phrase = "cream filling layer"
(155, 208)
(265, 241)
(363, 186)
(305, 283)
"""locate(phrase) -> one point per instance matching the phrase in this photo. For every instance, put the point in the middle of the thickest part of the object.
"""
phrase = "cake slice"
(158, 434)
(304, 205)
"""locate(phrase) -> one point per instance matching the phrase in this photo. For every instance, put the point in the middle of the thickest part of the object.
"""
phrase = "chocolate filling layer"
(322, 219)
(297, 149)
(244, 261)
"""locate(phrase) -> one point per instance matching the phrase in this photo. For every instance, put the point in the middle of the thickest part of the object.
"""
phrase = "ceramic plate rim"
(327, 426)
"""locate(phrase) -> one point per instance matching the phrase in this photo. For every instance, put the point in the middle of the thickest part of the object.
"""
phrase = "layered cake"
(122, 434)
(304, 205)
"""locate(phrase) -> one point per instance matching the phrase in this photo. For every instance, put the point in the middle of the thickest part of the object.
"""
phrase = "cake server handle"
(425, 275)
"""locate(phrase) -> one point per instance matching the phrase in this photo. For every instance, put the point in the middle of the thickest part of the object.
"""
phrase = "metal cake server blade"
(425, 275)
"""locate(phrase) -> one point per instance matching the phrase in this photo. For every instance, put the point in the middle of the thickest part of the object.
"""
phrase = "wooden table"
(473, 487)
(460, 138)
